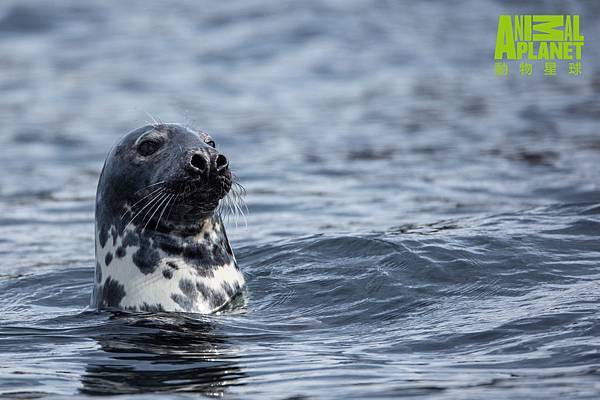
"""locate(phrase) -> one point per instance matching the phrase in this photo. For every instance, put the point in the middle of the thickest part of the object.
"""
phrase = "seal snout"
(221, 164)
(198, 163)
(205, 163)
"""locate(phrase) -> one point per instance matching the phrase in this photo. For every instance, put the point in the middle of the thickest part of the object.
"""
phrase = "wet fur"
(160, 240)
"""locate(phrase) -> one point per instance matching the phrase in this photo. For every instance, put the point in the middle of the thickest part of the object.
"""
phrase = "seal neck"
(188, 231)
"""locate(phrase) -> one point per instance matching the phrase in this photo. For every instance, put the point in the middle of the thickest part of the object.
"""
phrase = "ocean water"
(417, 226)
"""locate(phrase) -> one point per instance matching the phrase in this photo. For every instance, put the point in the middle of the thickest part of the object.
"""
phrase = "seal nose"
(198, 163)
(222, 164)
(203, 163)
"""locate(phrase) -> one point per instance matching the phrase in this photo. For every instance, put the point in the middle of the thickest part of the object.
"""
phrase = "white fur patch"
(154, 289)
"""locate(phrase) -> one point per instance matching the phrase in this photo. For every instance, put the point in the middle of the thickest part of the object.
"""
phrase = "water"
(417, 225)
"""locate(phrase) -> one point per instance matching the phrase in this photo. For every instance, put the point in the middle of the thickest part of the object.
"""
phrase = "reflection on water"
(161, 353)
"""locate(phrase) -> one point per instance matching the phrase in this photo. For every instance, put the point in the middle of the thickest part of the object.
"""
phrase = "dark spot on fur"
(146, 258)
(108, 258)
(167, 273)
(172, 265)
(130, 239)
(110, 294)
(183, 301)
(217, 300)
(113, 232)
(200, 257)
(120, 252)
(205, 271)
(103, 235)
(170, 246)
(98, 272)
(230, 289)
(189, 297)
(214, 298)
(188, 288)
(219, 256)
(196, 251)
(204, 290)
(206, 236)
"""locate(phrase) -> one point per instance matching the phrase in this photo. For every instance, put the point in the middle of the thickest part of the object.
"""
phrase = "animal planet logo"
(538, 37)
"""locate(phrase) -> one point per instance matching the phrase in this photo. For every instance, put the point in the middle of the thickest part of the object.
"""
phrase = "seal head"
(160, 241)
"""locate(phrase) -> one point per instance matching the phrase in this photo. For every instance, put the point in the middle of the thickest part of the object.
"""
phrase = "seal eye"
(211, 143)
(148, 147)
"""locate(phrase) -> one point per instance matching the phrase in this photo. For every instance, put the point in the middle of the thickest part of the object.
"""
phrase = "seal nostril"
(222, 163)
(198, 162)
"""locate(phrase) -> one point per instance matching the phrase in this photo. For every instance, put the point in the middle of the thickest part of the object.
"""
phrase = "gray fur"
(160, 245)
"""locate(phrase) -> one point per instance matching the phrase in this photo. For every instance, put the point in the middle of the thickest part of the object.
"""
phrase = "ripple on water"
(417, 226)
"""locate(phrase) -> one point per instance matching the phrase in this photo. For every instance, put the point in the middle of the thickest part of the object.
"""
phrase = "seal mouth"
(180, 204)
(197, 188)
(196, 198)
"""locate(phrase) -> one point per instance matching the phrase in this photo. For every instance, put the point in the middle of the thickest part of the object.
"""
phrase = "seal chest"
(160, 241)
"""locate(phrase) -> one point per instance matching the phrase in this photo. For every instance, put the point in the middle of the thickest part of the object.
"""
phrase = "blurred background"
(416, 225)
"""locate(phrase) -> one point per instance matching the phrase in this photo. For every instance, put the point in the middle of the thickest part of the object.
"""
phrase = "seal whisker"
(146, 187)
(232, 211)
(160, 203)
(236, 203)
(164, 209)
(151, 117)
(240, 193)
(148, 211)
(239, 211)
(172, 204)
(225, 209)
(140, 200)
(152, 200)
(143, 208)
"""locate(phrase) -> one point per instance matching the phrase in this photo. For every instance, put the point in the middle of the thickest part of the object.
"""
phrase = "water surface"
(416, 227)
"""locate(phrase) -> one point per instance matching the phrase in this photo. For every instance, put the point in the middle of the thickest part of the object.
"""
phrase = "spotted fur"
(182, 262)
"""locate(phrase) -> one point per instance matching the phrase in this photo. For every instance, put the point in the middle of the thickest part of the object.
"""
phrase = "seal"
(160, 240)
